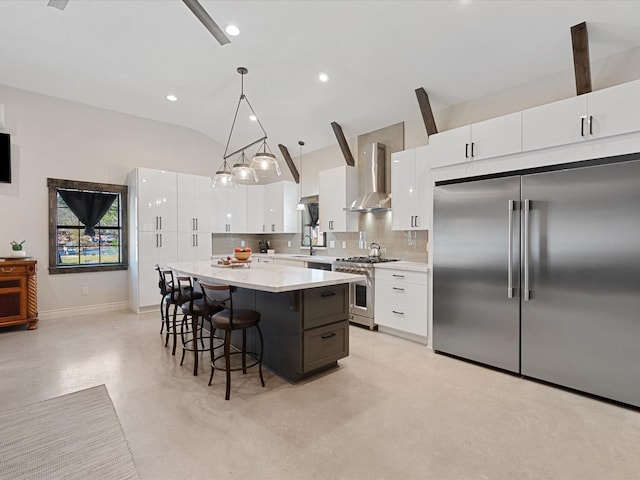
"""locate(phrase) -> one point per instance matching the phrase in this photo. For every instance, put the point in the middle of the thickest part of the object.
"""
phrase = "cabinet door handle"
(160, 222)
(590, 124)
(328, 335)
(157, 224)
(273, 227)
(466, 150)
(415, 223)
(473, 144)
(327, 294)
(582, 119)
(398, 288)
(197, 240)
(160, 237)
(397, 276)
(7, 270)
(397, 313)
(157, 242)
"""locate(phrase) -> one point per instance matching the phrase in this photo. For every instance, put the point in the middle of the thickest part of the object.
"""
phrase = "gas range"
(365, 260)
(361, 294)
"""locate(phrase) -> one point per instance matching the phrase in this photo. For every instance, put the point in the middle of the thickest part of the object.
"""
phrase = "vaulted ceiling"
(127, 55)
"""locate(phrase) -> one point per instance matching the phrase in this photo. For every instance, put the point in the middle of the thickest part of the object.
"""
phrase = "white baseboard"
(76, 311)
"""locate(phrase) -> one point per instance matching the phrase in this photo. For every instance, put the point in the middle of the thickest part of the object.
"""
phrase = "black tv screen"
(5, 158)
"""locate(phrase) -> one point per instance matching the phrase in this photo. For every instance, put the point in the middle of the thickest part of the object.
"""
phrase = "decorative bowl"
(242, 255)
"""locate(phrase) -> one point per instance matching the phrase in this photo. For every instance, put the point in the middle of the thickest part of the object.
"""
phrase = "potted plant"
(17, 249)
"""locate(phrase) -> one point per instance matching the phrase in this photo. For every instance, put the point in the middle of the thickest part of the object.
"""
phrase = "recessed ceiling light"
(232, 30)
(253, 118)
(172, 98)
(323, 77)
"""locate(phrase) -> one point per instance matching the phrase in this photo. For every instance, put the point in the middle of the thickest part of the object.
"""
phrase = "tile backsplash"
(404, 245)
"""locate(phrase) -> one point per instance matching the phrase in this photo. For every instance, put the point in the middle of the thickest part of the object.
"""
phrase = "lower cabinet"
(401, 302)
(305, 331)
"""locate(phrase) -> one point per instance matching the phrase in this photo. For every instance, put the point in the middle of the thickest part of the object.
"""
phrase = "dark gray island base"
(305, 331)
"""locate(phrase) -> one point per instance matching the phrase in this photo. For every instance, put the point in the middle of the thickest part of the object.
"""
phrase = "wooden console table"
(18, 293)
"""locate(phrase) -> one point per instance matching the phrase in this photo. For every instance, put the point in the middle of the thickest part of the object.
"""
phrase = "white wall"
(59, 139)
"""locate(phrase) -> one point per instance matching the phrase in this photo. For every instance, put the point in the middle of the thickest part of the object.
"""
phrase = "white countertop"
(409, 266)
(268, 278)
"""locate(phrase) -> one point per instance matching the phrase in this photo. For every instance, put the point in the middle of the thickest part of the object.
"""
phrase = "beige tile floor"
(393, 410)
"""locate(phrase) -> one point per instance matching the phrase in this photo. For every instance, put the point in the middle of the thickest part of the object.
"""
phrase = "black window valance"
(89, 207)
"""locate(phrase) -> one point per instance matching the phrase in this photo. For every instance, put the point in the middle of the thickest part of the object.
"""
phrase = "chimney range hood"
(373, 197)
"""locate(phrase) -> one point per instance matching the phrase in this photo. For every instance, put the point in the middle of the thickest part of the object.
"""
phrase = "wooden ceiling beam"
(344, 146)
(292, 167)
(425, 110)
(581, 64)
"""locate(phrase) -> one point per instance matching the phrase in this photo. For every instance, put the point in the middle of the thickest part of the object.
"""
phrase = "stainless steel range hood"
(372, 196)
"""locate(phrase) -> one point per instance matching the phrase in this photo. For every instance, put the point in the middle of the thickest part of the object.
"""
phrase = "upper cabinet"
(492, 138)
(195, 201)
(280, 203)
(411, 201)
(337, 188)
(157, 200)
(600, 114)
(230, 209)
(271, 208)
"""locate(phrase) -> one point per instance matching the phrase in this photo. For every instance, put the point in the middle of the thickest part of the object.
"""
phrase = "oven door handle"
(327, 294)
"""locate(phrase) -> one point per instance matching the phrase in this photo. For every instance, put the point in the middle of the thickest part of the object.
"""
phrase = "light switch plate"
(289, 243)
(332, 244)
(344, 244)
(242, 243)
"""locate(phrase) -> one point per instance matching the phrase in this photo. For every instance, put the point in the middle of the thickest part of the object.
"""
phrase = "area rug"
(75, 436)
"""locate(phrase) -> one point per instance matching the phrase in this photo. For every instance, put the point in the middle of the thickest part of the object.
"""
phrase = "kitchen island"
(305, 312)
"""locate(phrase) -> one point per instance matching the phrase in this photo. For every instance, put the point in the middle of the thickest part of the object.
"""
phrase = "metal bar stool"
(176, 297)
(194, 309)
(165, 290)
(229, 320)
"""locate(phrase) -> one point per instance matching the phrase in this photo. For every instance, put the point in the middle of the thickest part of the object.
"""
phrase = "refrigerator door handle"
(510, 253)
(526, 294)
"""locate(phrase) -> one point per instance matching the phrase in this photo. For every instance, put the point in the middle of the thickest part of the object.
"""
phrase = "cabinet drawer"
(325, 305)
(13, 270)
(324, 345)
(401, 293)
(407, 319)
(407, 276)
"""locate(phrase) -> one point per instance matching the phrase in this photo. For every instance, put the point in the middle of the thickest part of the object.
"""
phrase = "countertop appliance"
(539, 274)
(264, 246)
(361, 294)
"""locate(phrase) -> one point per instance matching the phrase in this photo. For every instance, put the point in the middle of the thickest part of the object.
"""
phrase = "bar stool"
(229, 320)
(195, 310)
(176, 297)
(164, 291)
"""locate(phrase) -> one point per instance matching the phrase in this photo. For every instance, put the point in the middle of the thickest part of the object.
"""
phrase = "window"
(75, 245)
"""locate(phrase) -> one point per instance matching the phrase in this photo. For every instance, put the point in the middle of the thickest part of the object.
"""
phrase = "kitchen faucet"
(310, 243)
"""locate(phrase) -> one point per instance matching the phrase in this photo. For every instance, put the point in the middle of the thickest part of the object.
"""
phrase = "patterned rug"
(75, 436)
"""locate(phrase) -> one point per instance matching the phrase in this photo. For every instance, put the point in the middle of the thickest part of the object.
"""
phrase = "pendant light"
(300, 206)
(242, 172)
(265, 163)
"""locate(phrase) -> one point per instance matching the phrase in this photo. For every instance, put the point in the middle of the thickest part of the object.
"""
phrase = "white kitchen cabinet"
(600, 114)
(488, 139)
(411, 203)
(401, 302)
(256, 209)
(157, 201)
(230, 209)
(153, 248)
(271, 208)
(280, 203)
(195, 200)
(153, 232)
(337, 188)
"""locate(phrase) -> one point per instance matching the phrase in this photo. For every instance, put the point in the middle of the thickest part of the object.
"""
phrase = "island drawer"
(324, 305)
(324, 345)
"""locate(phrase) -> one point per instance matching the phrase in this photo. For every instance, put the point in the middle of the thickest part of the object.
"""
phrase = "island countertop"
(267, 278)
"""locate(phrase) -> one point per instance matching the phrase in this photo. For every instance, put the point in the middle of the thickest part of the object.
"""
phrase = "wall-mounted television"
(5, 158)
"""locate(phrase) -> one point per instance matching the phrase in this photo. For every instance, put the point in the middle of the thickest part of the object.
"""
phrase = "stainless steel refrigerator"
(539, 274)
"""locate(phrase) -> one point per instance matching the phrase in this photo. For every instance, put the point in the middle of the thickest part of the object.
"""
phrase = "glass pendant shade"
(224, 177)
(243, 172)
(265, 164)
